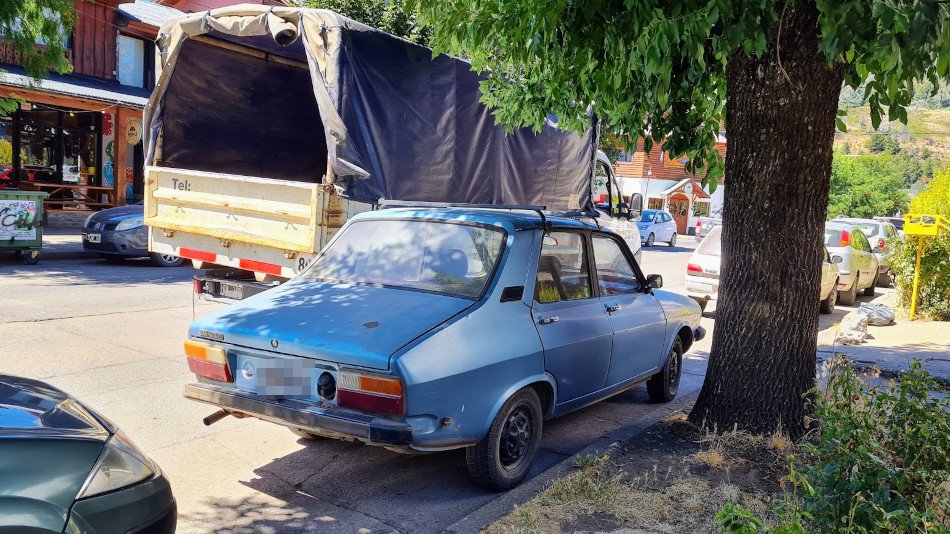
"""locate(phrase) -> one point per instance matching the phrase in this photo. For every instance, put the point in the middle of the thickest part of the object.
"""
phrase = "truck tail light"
(207, 360)
(370, 393)
(845, 238)
(199, 285)
(693, 268)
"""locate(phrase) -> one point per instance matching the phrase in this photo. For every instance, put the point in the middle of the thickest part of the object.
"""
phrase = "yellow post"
(913, 296)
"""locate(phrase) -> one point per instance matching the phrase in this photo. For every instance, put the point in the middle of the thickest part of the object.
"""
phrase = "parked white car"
(704, 225)
(702, 274)
(858, 267)
(626, 229)
(657, 225)
(879, 232)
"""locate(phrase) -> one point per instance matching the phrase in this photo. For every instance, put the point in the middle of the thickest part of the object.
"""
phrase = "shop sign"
(133, 132)
(18, 220)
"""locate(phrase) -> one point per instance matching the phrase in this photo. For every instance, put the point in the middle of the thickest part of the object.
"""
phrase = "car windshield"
(648, 216)
(712, 245)
(441, 257)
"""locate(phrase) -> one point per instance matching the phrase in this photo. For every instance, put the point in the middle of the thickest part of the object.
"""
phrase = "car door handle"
(549, 320)
(614, 308)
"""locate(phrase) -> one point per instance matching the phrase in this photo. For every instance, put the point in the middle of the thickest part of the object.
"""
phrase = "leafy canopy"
(656, 69)
(866, 186)
(397, 17)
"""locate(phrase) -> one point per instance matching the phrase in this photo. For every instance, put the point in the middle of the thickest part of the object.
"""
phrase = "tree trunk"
(780, 123)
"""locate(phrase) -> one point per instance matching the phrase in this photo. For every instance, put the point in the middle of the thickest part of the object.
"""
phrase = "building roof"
(149, 13)
(78, 86)
(689, 187)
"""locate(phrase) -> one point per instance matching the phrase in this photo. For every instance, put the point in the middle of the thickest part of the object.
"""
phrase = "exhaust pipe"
(215, 417)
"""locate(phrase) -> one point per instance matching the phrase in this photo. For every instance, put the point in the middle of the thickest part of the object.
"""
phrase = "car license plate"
(275, 377)
(94, 238)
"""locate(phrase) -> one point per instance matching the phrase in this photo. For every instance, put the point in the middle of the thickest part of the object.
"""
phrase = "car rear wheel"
(501, 460)
(664, 385)
(164, 260)
(650, 240)
(848, 297)
(869, 291)
(673, 240)
(884, 280)
(828, 305)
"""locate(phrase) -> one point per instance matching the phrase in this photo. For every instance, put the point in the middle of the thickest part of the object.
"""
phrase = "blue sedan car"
(427, 329)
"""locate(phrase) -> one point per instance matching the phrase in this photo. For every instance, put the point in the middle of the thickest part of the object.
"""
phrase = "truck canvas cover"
(305, 94)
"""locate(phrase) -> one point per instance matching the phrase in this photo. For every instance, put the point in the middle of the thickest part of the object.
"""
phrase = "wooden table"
(88, 196)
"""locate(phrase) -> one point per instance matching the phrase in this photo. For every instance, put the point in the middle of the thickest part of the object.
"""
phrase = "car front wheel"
(664, 385)
(501, 460)
(164, 260)
(673, 240)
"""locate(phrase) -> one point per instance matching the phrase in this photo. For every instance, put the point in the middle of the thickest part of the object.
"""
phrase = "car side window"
(562, 268)
(615, 275)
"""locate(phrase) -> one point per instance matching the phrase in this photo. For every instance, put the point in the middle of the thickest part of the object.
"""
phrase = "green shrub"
(880, 463)
(933, 296)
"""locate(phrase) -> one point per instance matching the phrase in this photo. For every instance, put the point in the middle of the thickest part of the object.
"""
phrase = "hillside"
(926, 128)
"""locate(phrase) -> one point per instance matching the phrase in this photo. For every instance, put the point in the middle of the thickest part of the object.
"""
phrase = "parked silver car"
(702, 273)
(858, 268)
(879, 232)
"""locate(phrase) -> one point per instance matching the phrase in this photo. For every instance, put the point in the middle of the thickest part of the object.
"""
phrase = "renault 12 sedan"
(427, 329)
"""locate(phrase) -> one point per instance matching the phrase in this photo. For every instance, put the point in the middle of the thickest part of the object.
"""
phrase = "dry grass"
(712, 458)
(779, 441)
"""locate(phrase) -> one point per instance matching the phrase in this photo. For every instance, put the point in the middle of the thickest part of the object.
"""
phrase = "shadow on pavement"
(96, 271)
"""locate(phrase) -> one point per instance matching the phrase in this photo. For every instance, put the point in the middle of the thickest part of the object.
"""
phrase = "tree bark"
(780, 123)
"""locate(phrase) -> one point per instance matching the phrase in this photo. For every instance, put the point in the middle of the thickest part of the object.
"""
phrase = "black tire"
(673, 240)
(702, 303)
(307, 435)
(164, 260)
(501, 460)
(650, 240)
(869, 291)
(848, 297)
(884, 280)
(664, 385)
(112, 258)
(828, 305)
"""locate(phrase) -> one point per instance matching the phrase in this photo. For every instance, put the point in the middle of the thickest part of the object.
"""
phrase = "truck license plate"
(231, 291)
(94, 238)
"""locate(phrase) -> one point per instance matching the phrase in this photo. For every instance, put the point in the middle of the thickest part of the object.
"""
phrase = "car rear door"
(574, 329)
(636, 318)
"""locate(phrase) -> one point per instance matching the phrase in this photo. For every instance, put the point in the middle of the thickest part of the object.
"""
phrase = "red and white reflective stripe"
(242, 263)
(260, 266)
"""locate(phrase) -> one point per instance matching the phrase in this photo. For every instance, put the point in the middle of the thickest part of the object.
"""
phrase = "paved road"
(111, 335)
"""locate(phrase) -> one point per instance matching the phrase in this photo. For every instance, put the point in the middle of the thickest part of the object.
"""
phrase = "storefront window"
(701, 209)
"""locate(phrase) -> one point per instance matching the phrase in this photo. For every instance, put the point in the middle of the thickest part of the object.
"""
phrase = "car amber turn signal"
(371, 393)
(207, 360)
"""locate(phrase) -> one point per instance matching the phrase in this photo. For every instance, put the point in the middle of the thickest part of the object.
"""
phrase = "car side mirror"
(836, 259)
(654, 281)
(636, 206)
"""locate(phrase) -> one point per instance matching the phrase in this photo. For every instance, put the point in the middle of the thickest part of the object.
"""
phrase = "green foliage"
(25, 23)
(397, 17)
(880, 463)
(614, 144)
(6, 152)
(656, 69)
(866, 186)
(883, 143)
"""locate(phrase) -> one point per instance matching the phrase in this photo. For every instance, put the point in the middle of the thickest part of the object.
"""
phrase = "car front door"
(573, 325)
(636, 318)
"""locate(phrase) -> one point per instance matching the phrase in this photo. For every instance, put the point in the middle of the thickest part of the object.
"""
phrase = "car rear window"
(712, 245)
(832, 237)
(868, 229)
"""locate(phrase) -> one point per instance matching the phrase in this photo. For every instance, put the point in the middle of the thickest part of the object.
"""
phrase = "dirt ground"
(671, 479)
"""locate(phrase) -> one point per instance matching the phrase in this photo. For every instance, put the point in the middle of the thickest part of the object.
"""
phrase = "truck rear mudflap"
(333, 422)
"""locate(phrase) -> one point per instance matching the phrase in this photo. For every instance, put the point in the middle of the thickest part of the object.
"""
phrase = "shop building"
(78, 137)
(665, 185)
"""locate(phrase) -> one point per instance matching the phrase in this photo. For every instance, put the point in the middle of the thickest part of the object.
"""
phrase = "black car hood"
(34, 408)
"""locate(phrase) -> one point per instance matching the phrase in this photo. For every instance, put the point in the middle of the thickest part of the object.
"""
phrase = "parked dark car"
(65, 468)
(118, 233)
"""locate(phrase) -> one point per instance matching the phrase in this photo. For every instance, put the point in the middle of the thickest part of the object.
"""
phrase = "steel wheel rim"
(168, 258)
(515, 437)
(675, 367)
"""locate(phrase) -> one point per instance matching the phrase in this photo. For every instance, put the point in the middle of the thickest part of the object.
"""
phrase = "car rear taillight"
(845, 238)
(207, 360)
(699, 224)
(693, 268)
(370, 393)
(881, 243)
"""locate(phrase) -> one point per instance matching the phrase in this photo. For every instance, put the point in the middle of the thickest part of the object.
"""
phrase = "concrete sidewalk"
(61, 243)
(894, 347)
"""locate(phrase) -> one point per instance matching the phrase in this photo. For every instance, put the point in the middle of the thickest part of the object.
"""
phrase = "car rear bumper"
(701, 287)
(316, 419)
(144, 508)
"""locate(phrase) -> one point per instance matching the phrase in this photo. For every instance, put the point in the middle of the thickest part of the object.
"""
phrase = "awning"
(78, 87)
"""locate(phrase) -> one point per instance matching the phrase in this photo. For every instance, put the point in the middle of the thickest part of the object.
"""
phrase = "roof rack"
(385, 203)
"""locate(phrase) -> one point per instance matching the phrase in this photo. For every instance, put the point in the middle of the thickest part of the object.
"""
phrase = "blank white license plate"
(94, 238)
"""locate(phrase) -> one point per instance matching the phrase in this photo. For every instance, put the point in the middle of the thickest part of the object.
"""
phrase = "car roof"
(842, 224)
(513, 219)
(851, 220)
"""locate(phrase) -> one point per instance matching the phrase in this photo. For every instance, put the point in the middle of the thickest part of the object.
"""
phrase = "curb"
(506, 502)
